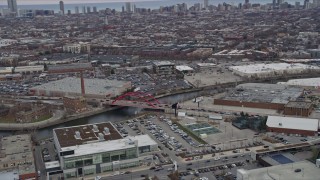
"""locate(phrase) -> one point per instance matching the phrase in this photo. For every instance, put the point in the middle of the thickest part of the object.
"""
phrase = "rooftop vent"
(77, 135)
(95, 128)
(106, 131)
(101, 137)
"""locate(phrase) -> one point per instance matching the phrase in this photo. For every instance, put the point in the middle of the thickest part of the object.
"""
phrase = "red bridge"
(137, 99)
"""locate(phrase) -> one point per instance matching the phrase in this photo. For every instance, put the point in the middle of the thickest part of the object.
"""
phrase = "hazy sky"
(23, 2)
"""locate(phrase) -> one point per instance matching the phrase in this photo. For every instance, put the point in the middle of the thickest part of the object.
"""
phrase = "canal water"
(113, 116)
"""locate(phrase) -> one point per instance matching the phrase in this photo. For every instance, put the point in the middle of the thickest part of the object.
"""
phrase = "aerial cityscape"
(160, 90)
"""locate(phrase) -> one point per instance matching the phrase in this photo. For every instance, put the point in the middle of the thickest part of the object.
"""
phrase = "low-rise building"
(259, 95)
(298, 108)
(17, 154)
(97, 148)
(291, 125)
(29, 69)
(164, 68)
(34, 113)
(75, 104)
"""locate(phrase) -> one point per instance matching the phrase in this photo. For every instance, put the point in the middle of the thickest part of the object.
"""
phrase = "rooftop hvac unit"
(77, 135)
(95, 128)
(106, 131)
(101, 137)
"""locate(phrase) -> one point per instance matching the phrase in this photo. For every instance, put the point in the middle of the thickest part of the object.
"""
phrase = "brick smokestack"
(83, 91)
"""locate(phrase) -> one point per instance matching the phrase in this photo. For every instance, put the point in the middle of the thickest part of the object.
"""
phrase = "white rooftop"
(293, 123)
(106, 146)
(184, 68)
(258, 68)
(312, 82)
(284, 172)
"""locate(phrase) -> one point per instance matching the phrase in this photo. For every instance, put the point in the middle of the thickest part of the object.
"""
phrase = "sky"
(25, 2)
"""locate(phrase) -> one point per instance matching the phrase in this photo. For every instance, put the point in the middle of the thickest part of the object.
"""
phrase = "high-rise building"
(12, 5)
(128, 6)
(106, 22)
(280, 2)
(76, 10)
(94, 9)
(297, 5)
(206, 4)
(274, 3)
(88, 9)
(61, 6)
(246, 1)
(83, 9)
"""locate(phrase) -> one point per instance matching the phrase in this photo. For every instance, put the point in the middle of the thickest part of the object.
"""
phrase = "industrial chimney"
(83, 92)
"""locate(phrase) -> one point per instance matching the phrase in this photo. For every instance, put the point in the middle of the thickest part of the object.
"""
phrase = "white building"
(76, 48)
(97, 148)
(307, 83)
(272, 70)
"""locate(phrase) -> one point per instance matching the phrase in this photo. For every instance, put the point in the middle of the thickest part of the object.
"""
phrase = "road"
(162, 174)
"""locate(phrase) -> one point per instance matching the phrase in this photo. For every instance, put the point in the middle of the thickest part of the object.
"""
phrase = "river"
(112, 116)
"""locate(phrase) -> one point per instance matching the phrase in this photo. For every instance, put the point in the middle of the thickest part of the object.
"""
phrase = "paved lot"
(213, 76)
(229, 136)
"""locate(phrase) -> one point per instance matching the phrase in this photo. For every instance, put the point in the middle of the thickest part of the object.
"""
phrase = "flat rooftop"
(308, 82)
(87, 133)
(264, 93)
(284, 172)
(163, 63)
(73, 66)
(260, 68)
(18, 149)
(112, 145)
(73, 85)
(299, 104)
(293, 123)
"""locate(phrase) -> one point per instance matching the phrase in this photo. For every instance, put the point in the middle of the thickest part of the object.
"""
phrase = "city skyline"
(33, 2)
(37, 2)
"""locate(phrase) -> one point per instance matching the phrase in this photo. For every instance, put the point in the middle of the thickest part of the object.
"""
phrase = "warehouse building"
(29, 69)
(310, 83)
(292, 125)
(67, 68)
(97, 148)
(70, 86)
(272, 70)
(259, 95)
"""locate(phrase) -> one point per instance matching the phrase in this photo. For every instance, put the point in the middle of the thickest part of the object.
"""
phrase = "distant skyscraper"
(128, 6)
(76, 10)
(83, 9)
(274, 3)
(247, 1)
(94, 9)
(280, 2)
(69, 12)
(88, 9)
(12, 5)
(106, 22)
(206, 3)
(297, 5)
(61, 6)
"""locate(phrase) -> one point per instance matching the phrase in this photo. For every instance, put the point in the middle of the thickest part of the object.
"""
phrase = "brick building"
(34, 113)
(75, 104)
(259, 95)
(297, 108)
